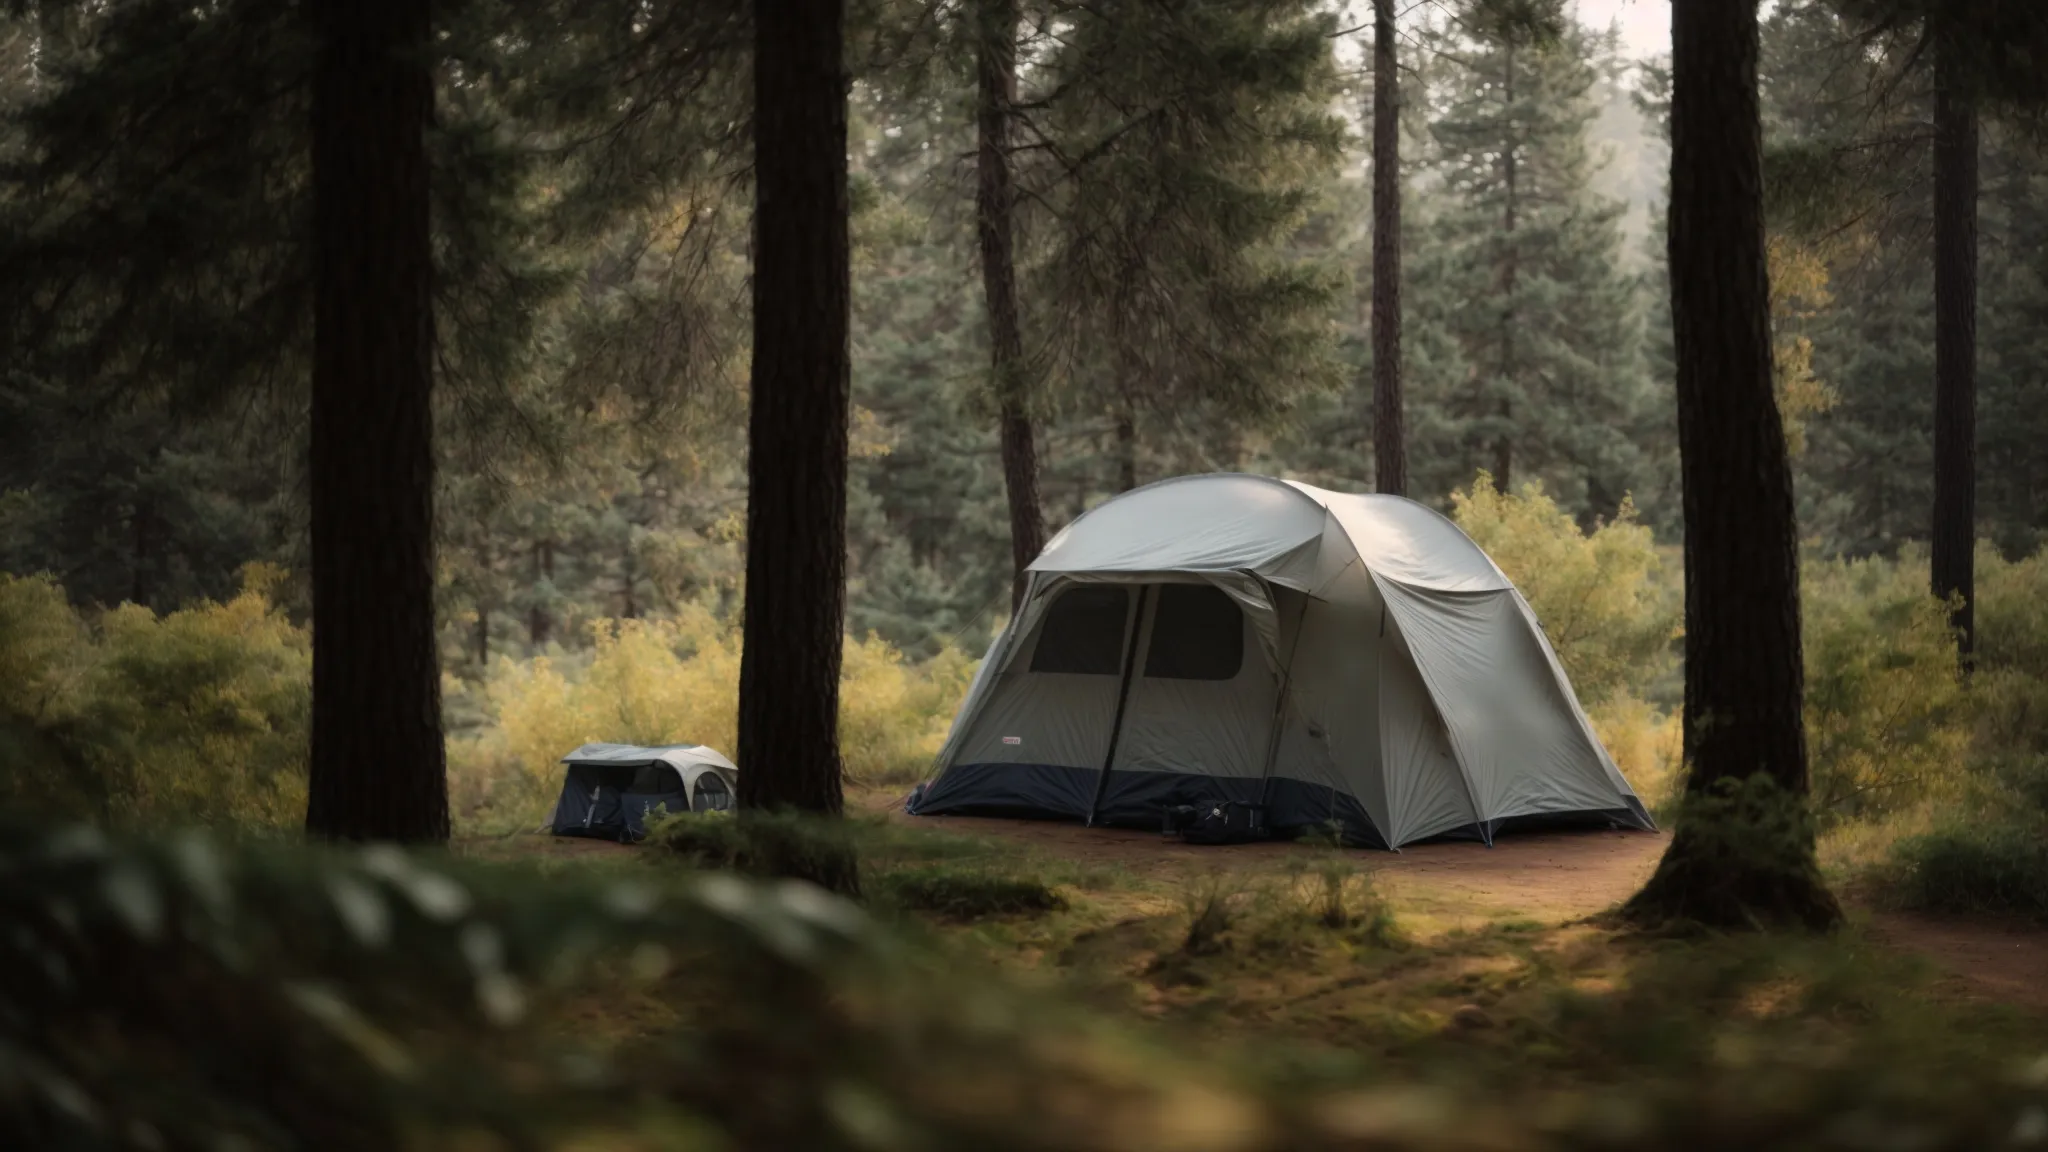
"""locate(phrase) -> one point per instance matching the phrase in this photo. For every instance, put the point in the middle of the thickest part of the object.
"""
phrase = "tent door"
(1281, 700)
(1195, 718)
(1123, 699)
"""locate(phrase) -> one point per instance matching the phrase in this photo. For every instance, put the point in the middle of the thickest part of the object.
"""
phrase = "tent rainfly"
(1343, 659)
(610, 790)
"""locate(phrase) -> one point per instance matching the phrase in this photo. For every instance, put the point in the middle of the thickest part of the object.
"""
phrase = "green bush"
(201, 715)
(956, 893)
(2000, 866)
(1987, 850)
(765, 844)
(1886, 718)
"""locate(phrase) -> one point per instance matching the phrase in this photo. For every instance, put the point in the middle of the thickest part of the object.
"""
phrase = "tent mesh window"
(1083, 633)
(1197, 634)
(712, 794)
(656, 778)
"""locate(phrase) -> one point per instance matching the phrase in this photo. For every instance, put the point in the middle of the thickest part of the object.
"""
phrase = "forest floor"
(1481, 931)
(1555, 879)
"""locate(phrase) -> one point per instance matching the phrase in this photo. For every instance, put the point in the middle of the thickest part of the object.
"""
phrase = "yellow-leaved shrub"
(199, 716)
(1646, 743)
(1601, 596)
(676, 680)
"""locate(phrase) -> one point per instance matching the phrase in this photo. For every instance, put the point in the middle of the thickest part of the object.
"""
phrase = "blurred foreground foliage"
(184, 992)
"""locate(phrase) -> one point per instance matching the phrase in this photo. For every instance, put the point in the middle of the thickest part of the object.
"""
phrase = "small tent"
(1339, 659)
(610, 790)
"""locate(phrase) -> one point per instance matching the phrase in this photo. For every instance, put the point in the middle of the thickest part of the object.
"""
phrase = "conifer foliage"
(1182, 143)
(1520, 268)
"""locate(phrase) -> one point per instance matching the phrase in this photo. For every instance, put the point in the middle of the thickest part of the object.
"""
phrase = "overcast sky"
(1645, 24)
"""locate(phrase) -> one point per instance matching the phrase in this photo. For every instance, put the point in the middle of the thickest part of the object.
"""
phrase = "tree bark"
(1954, 541)
(485, 562)
(1743, 677)
(1126, 449)
(1389, 434)
(797, 430)
(539, 626)
(629, 600)
(140, 559)
(994, 205)
(378, 769)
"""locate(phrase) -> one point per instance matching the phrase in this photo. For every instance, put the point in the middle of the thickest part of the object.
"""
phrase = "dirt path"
(1999, 961)
(1542, 876)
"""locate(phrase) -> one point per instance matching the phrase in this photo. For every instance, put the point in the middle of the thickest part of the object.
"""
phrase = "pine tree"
(995, 53)
(1390, 448)
(2012, 471)
(797, 430)
(1954, 550)
(378, 770)
(1180, 147)
(1742, 855)
(1522, 270)
(1978, 51)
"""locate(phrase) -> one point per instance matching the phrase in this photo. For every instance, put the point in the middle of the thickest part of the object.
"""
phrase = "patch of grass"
(1344, 896)
(1997, 868)
(758, 843)
(1210, 902)
(964, 894)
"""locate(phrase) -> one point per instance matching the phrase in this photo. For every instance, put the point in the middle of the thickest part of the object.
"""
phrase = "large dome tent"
(1334, 658)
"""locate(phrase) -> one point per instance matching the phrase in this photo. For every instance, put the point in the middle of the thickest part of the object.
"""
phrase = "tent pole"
(1275, 730)
(1123, 697)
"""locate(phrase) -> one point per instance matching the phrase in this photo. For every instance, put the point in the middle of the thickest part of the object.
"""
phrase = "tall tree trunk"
(140, 560)
(797, 432)
(994, 206)
(1389, 434)
(378, 767)
(1955, 341)
(485, 560)
(1510, 274)
(1126, 447)
(1742, 857)
(629, 579)
(539, 625)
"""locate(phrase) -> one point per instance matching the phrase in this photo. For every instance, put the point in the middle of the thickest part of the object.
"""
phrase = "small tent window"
(712, 794)
(1083, 632)
(1197, 634)
(656, 778)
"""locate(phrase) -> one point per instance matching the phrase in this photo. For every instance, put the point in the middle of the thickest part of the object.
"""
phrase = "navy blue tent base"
(1138, 799)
